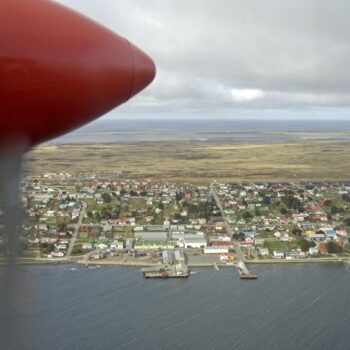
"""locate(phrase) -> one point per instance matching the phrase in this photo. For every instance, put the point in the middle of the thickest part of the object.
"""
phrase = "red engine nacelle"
(60, 70)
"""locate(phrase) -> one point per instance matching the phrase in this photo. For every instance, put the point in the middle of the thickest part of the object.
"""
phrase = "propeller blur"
(60, 70)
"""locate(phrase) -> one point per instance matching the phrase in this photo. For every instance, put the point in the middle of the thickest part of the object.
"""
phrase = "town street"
(239, 253)
(76, 230)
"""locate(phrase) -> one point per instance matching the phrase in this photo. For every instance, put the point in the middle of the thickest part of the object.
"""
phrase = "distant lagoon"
(121, 130)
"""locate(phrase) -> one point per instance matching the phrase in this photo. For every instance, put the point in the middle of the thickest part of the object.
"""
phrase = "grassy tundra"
(201, 161)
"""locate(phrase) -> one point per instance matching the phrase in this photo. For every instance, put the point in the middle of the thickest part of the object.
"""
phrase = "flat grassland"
(199, 161)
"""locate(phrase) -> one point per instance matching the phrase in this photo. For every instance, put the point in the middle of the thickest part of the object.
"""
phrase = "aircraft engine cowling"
(60, 70)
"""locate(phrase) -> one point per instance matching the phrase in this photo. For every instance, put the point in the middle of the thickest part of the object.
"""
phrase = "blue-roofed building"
(249, 234)
(329, 232)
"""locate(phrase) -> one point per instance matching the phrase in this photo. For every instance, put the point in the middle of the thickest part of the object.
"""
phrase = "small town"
(107, 218)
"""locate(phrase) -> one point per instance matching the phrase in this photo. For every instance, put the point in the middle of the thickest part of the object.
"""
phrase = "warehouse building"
(198, 242)
(151, 235)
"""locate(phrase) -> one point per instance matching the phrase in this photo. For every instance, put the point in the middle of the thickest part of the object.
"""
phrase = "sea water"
(299, 306)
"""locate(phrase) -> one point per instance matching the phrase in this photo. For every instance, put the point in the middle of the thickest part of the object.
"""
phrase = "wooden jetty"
(244, 272)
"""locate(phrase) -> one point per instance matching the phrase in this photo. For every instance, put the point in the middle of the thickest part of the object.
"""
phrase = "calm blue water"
(215, 130)
(65, 307)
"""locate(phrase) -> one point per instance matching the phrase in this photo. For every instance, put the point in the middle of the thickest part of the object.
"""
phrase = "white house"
(101, 246)
(313, 250)
(263, 251)
(86, 246)
(278, 254)
(116, 245)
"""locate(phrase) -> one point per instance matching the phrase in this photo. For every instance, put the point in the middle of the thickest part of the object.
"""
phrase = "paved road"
(239, 253)
(76, 230)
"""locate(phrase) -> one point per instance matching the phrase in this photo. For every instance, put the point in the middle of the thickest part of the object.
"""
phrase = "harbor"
(174, 266)
(182, 271)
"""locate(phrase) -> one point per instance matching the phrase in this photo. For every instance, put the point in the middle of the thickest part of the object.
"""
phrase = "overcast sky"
(236, 58)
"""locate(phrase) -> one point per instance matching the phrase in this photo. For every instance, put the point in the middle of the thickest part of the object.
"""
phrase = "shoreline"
(104, 262)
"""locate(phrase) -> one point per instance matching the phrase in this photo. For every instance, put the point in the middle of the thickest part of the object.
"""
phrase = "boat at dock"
(166, 271)
(164, 275)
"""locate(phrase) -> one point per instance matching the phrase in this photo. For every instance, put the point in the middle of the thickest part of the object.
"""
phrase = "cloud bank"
(228, 57)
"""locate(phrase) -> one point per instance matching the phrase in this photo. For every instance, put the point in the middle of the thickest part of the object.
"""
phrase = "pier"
(244, 272)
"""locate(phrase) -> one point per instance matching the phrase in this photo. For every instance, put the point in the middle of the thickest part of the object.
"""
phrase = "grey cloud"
(295, 52)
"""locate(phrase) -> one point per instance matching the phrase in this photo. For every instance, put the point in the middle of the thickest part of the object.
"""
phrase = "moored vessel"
(165, 271)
